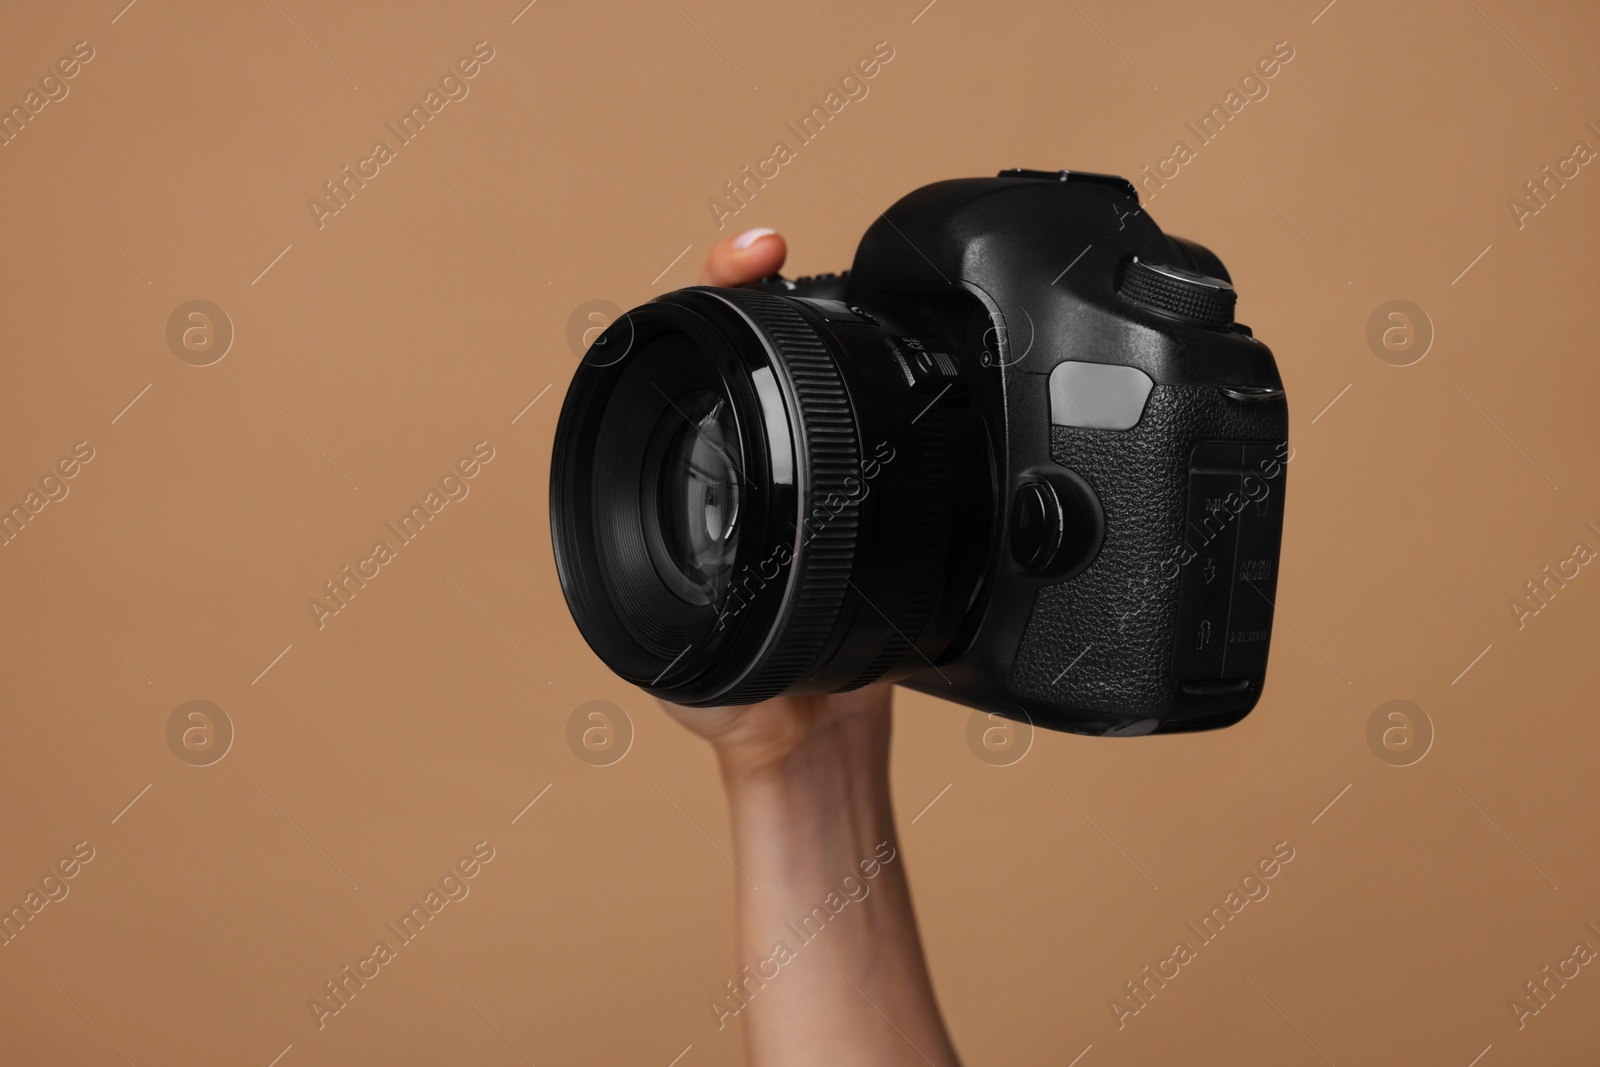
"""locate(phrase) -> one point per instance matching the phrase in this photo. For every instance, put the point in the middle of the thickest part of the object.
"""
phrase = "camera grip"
(1105, 641)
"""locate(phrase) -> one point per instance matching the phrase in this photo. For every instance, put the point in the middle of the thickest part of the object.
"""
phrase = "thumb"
(751, 255)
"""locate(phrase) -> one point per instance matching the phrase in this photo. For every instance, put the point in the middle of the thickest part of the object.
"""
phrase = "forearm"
(833, 966)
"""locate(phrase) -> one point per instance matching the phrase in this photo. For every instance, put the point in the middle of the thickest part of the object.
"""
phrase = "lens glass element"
(698, 496)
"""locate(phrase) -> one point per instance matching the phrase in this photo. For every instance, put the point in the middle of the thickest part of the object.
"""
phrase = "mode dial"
(1187, 295)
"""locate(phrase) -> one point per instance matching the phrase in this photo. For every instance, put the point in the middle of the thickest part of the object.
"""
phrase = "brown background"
(420, 720)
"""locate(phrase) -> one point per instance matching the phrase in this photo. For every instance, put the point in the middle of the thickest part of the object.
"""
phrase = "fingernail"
(750, 237)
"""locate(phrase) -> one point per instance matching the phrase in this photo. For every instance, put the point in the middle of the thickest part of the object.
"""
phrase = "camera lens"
(750, 500)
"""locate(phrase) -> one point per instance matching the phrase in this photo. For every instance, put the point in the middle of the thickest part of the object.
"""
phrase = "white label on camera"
(1097, 396)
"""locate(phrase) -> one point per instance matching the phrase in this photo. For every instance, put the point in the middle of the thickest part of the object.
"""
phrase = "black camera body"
(1020, 457)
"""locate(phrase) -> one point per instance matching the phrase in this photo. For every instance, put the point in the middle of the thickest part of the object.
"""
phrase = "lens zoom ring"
(830, 512)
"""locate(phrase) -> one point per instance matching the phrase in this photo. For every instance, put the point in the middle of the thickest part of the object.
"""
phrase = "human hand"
(807, 779)
(764, 737)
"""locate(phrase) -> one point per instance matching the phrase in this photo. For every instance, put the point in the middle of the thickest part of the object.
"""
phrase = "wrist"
(820, 804)
(808, 759)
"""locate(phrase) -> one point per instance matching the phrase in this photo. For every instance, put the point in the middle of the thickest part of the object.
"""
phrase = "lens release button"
(1036, 524)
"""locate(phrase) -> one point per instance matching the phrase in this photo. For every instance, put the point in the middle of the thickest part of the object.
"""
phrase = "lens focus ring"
(829, 518)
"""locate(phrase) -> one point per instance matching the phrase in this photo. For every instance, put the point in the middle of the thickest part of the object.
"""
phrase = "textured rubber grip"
(1112, 626)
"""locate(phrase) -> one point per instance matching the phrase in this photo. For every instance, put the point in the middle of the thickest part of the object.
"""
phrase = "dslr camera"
(1019, 456)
